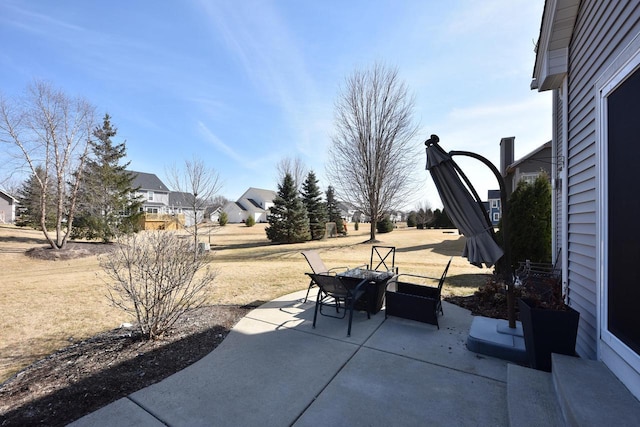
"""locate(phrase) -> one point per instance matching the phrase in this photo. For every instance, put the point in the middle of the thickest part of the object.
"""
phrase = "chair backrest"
(315, 262)
(444, 274)
(383, 258)
(330, 284)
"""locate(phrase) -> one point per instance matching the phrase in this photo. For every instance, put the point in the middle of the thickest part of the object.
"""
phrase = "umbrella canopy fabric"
(463, 210)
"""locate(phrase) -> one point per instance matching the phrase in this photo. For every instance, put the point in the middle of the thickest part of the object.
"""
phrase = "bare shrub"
(155, 277)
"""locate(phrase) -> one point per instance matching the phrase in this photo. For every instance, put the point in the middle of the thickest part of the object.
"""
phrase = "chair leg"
(308, 289)
(315, 313)
(351, 303)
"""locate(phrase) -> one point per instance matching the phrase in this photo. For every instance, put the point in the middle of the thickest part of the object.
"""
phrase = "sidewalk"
(274, 369)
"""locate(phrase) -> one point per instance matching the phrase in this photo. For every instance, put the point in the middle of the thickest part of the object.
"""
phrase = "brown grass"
(45, 305)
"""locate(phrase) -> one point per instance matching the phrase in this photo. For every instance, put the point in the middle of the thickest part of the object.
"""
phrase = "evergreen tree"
(529, 223)
(288, 220)
(106, 206)
(412, 220)
(312, 199)
(333, 211)
(30, 199)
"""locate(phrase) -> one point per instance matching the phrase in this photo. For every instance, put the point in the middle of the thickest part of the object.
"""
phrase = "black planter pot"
(547, 331)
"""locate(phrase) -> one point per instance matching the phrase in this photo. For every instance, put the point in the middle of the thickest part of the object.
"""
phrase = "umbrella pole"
(506, 258)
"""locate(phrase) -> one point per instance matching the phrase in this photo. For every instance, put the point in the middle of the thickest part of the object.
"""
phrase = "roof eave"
(552, 50)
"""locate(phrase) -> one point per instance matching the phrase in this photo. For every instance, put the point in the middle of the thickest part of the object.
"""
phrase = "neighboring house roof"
(546, 145)
(493, 194)
(180, 199)
(148, 182)
(267, 195)
(254, 203)
(8, 197)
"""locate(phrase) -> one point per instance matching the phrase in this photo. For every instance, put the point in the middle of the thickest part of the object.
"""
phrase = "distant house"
(163, 209)
(7, 208)
(254, 202)
(214, 214)
(183, 203)
(527, 169)
(349, 212)
(494, 206)
(152, 191)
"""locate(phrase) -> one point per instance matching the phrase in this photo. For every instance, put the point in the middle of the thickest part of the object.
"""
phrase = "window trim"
(617, 74)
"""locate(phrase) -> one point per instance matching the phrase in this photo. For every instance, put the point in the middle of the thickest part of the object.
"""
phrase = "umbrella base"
(493, 337)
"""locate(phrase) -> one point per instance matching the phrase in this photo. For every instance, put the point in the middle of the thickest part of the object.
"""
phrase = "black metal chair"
(338, 288)
(416, 301)
(318, 267)
(383, 258)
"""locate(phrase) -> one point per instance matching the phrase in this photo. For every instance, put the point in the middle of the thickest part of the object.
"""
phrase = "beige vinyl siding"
(592, 49)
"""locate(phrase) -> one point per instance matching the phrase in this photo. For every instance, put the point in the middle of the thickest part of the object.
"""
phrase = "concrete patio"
(274, 369)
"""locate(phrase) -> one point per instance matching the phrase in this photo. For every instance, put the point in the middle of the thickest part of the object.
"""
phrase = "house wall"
(7, 209)
(602, 31)
(557, 170)
(540, 161)
(158, 197)
(234, 213)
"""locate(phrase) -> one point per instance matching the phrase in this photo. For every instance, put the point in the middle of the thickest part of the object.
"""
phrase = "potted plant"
(548, 324)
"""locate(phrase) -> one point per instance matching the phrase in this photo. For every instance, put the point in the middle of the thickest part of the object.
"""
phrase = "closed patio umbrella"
(463, 209)
(466, 211)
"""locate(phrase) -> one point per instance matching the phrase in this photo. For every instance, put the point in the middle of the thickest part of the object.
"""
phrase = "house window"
(152, 210)
(150, 196)
(529, 178)
(496, 216)
(494, 204)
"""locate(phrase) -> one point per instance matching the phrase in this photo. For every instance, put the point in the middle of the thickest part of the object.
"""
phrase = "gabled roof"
(147, 182)
(267, 195)
(546, 145)
(552, 48)
(8, 196)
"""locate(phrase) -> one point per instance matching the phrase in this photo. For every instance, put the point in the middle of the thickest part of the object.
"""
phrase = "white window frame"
(496, 216)
(630, 62)
(494, 204)
(150, 196)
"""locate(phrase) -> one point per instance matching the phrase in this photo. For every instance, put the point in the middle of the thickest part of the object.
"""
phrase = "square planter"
(547, 331)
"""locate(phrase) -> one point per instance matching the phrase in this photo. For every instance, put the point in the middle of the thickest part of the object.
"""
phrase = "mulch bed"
(88, 375)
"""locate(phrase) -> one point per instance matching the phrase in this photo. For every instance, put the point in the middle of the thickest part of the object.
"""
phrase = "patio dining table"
(376, 287)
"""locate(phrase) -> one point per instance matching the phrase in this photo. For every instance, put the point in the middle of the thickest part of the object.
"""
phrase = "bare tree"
(198, 185)
(47, 129)
(294, 167)
(155, 279)
(371, 159)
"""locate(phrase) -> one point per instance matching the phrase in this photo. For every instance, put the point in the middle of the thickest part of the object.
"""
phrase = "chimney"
(506, 153)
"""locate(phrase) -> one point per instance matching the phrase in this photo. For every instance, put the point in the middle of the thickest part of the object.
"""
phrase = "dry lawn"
(45, 305)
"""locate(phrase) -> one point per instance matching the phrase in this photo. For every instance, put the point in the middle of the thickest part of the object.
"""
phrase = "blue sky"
(244, 84)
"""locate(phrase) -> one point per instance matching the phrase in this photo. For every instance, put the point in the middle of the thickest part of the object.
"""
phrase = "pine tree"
(30, 199)
(333, 211)
(530, 221)
(106, 206)
(312, 199)
(288, 221)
